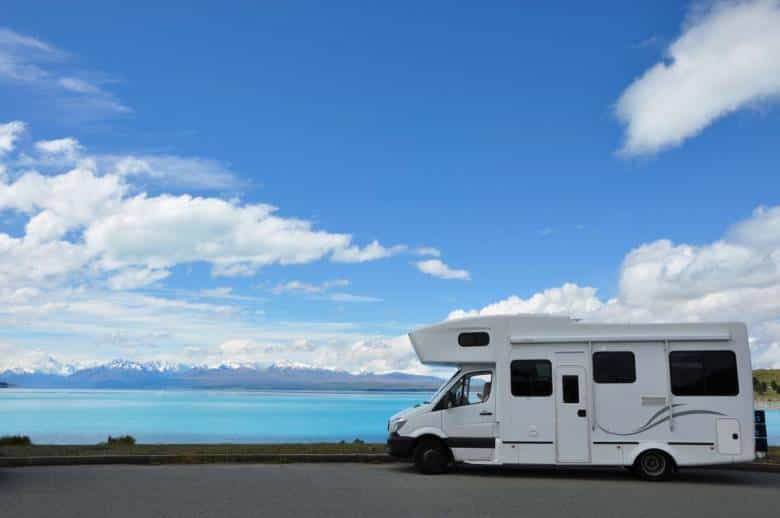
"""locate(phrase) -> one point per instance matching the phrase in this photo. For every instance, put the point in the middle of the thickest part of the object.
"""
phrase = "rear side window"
(614, 367)
(473, 339)
(531, 378)
(703, 373)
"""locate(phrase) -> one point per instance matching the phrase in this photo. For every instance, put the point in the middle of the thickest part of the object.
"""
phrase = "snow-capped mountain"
(158, 375)
(47, 365)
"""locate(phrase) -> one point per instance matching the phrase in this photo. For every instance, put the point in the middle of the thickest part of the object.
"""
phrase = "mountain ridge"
(128, 374)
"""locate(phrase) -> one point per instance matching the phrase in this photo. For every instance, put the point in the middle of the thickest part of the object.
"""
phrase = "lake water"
(89, 416)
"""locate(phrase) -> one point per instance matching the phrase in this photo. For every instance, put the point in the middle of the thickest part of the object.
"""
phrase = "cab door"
(468, 416)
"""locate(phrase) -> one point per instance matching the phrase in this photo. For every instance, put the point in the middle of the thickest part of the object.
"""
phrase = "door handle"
(581, 413)
(486, 413)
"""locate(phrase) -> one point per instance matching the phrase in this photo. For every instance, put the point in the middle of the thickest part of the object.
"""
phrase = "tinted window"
(531, 378)
(614, 367)
(571, 389)
(476, 339)
(704, 373)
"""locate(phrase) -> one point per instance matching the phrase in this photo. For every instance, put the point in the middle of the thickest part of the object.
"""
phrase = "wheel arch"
(634, 454)
(435, 437)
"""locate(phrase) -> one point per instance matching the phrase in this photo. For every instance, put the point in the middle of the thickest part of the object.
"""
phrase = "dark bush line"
(15, 440)
(124, 440)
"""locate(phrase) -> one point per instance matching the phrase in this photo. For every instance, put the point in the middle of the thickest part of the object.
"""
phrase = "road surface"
(391, 490)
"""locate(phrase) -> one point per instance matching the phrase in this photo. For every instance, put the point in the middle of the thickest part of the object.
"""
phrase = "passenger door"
(573, 428)
(468, 417)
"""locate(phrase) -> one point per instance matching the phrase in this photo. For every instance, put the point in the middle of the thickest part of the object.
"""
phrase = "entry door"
(469, 420)
(573, 422)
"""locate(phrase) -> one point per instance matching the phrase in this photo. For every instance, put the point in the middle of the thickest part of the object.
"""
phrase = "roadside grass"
(768, 376)
(186, 450)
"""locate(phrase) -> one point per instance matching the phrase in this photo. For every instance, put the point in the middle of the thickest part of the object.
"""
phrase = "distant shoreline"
(766, 404)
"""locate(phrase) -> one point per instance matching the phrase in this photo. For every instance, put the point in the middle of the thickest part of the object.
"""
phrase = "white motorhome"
(555, 390)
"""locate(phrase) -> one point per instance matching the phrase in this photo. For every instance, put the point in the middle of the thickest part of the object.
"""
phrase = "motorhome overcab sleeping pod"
(554, 390)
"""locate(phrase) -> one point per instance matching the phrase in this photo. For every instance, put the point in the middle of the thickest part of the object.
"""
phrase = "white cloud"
(175, 171)
(734, 278)
(221, 292)
(81, 86)
(160, 231)
(92, 214)
(57, 204)
(438, 268)
(569, 299)
(133, 278)
(725, 59)
(65, 147)
(373, 354)
(322, 291)
(9, 133)
(371, 252)
(31, 63)
(305, 287)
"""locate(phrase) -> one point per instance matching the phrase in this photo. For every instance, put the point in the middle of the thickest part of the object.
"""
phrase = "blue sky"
(602, 161)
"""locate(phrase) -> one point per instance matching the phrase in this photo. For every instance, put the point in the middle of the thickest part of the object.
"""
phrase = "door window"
(471, 389)
(571, 389)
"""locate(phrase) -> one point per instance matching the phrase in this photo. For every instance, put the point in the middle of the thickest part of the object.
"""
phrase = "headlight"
(395, 425)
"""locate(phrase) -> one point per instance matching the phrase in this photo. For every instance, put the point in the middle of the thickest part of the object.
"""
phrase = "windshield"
(440, 389)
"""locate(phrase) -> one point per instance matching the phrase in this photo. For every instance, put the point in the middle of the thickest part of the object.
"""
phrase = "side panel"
(695, 430)
(728, 437)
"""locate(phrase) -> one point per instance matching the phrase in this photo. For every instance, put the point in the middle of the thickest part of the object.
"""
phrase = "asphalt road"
(392, 490)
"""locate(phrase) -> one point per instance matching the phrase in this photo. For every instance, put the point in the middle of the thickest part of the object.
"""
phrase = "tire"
(431, 457)
(654, 465)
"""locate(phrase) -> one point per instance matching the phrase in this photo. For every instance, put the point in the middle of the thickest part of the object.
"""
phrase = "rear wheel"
(431, 457)
(654, 465)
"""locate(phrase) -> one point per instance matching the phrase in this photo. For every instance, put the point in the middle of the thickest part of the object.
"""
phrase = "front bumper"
(400, 447)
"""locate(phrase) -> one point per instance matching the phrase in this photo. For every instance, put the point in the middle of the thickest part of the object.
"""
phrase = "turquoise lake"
(89, 416)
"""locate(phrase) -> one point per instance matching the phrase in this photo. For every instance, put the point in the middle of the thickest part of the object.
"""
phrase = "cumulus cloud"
(725, 59)
(9, 133)
(67, 147)
(90, 219)
(438, 268)
(734, 278)
(568, 299)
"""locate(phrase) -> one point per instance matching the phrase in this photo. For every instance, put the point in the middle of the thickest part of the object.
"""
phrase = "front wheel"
(654, 465)
(431, 457)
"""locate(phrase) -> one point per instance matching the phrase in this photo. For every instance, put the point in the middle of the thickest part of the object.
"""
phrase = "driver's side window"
(471, 389)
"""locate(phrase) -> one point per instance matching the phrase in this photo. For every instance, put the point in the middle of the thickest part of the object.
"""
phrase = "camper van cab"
(555, 390)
